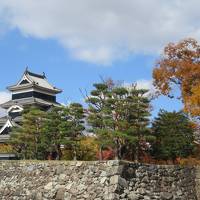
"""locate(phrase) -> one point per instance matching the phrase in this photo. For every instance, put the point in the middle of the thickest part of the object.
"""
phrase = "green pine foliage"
(174, 136)
(55, 132)
(42, 134)
(119, 117)
(26, 140)
(75, 115)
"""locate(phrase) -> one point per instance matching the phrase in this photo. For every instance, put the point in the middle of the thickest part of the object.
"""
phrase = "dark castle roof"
(30, 79)
(28, 101)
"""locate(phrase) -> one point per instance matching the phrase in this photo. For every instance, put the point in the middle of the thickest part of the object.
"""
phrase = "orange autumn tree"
(180, 66)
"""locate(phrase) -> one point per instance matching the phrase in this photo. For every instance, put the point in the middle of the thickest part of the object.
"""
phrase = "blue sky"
(76, 42)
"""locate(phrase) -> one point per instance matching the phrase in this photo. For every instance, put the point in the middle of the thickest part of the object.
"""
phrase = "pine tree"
(75, 117)
(27, 138)
(138, 112)
(43, 133)
(119, 116)
(174, 135)
(55, 132)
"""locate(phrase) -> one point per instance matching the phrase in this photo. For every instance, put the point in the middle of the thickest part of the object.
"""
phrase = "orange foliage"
(107, 154)
(180, 66)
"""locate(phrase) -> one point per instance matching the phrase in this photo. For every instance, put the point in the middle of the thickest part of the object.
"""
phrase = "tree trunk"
(136, 157)
(116, 154)
(74, 153)
(117, 150)
(59, 152)
(137, 151)
(100, 153)
(36, 148)
(120, 151)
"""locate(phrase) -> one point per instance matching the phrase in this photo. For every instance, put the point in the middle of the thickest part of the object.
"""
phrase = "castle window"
(34, 94)
(24, 82)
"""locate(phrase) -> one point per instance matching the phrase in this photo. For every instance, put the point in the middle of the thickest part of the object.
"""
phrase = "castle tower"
(31, 89)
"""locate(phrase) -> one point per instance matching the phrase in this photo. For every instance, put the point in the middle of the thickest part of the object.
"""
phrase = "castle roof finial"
(44, 75)
(26, 71)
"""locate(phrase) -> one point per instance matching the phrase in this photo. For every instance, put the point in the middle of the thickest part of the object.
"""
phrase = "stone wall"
(109, 180)
(159, 182)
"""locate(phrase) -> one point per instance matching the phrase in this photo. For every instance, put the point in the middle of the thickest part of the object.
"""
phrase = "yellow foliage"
(67, 154)
(88, 148)
(189, 161)
(4, 148)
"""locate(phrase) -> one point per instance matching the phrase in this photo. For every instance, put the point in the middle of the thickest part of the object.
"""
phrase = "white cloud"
(103, 31)
(148, 85)
(4, 96)
(143, 84)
